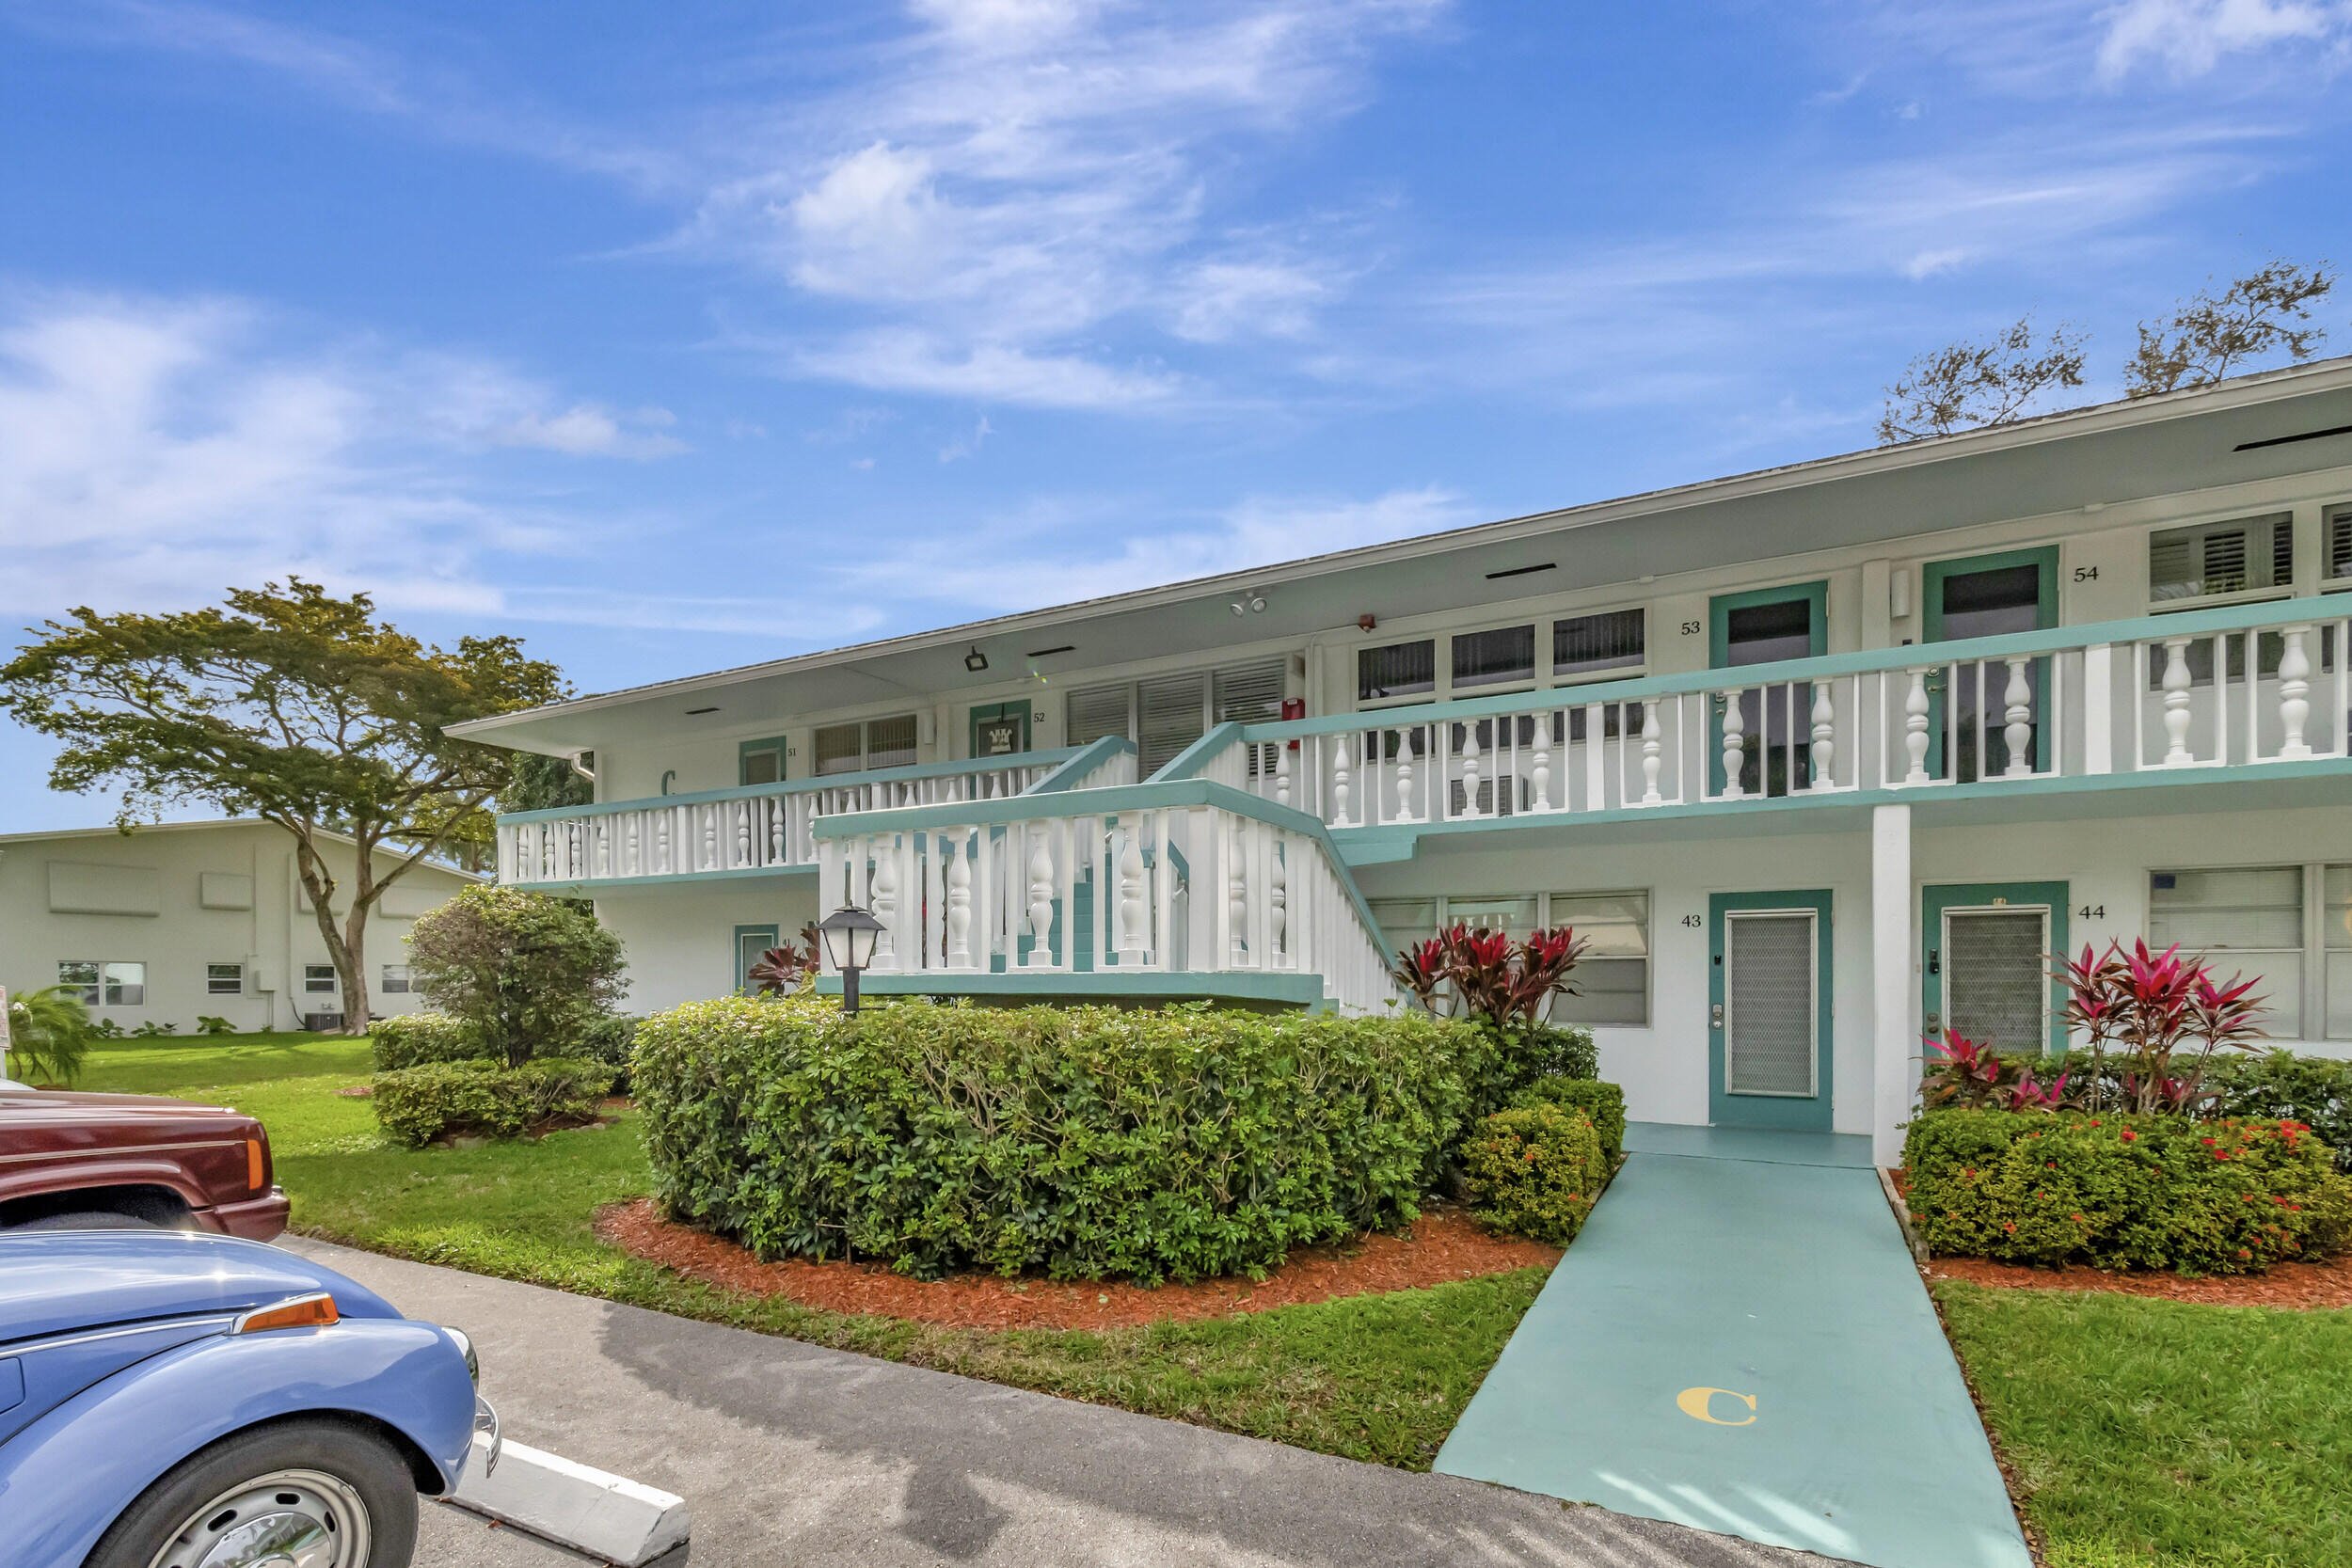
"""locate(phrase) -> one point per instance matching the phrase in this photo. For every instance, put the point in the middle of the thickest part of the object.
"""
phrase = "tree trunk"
(346, 950)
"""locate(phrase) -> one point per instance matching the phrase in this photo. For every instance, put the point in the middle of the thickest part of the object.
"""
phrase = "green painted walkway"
(1739, 1341)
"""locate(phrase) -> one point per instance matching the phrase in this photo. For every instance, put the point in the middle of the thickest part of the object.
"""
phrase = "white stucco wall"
(680, 942)
(166, 868)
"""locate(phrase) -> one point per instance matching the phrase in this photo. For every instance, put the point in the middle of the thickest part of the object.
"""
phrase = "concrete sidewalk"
(788, 1453)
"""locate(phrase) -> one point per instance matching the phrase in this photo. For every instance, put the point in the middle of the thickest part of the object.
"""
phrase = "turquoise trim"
(1108, 802)
(1188, 763)
(1291, 988)
(743, 750)
(2195, 623)
(1781, 1112)
(1083, 760)
(1396, 841)
(769, 934)
(1931, 578)
(1814, 597)
(802, 786)
(1935, 899)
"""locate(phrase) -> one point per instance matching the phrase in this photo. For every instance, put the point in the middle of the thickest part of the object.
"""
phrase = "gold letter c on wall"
(1693, 1403)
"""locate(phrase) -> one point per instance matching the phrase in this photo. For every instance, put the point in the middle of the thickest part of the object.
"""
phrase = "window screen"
(841, 749)
(890, 742)
(224, 979)
(2222, 558)
(1095, 711)
(1769, 1004)
(2336, 529)
(2249, 920)
(1399, 670)
(1250, 693)
(1587, 644)
(1494, 658)
(1613, 979)
(1171, 712)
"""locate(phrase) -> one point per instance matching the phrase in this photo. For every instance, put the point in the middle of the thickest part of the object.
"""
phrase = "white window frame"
(212, 978)
(404, 986)
(311, 974)
(2311, 998)
(1441, 637)
(1545, 920)
(2262, 594)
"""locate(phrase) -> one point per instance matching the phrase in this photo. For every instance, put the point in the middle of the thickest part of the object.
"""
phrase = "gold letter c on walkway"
(1693, 1403)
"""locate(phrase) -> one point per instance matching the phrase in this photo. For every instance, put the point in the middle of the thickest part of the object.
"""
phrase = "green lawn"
(2157, 1433)
(1381, 1378)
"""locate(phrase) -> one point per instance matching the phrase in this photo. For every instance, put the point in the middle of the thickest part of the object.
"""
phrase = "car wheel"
(93, 1219)
(305, 1493)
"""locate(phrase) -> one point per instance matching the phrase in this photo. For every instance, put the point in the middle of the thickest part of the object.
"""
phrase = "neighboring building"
(187, 920)
(1823, 756)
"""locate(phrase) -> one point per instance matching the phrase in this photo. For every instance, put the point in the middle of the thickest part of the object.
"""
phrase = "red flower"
(2129, 1135)
(2010, 1226)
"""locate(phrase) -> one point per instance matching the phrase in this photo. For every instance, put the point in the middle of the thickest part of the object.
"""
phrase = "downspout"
(585, 772)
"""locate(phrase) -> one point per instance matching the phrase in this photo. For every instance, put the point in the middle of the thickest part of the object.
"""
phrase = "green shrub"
(1087, 1142)
(1602, 1104)
(1535, 1170)
(2154, 1191)
(411, 1039)
(606, 1038)
(2280, 1085)
(49, 1035)
(417, 1104)
(1561, 1050)
(520, 969)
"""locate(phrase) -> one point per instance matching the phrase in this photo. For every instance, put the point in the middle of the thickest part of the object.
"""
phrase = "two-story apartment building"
(1824, 757)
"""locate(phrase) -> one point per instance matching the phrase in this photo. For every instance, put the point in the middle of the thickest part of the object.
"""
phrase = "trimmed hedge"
(1085, 1142)
(410, 1039)
(417, 1104)
(1535, 1170)
(1603, 1103)
(2227, 1196)
(2281, 1084)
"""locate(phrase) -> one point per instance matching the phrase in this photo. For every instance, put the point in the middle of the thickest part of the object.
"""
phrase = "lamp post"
(849, 934)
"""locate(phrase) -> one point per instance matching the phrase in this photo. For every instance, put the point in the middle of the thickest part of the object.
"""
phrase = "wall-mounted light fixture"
(1249, 604)
(1899, 593)
(976, 661)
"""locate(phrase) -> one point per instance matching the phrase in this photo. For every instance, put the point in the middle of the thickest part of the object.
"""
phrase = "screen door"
(1996, 990)
(1769, 1004)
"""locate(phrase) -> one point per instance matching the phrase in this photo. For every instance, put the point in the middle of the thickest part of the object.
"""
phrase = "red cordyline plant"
(1961, 1072)
(2152, 1007)
(779, 971)
(1496, 979)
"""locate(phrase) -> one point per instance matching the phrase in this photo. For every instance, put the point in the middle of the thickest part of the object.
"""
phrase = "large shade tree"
(293, 706)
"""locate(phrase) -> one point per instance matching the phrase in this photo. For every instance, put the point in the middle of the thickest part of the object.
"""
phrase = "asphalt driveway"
(787, 1453)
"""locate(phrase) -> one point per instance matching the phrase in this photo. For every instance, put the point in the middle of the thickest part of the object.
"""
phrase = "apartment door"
(1986, 596)
(1769, 1053)
(1000, 729)
(1764, 627)
(750, 943)
(1986, 968)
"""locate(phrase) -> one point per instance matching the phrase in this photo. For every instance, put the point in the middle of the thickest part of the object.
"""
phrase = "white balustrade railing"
(2245, 687)
(761, 827)
(1187, 888)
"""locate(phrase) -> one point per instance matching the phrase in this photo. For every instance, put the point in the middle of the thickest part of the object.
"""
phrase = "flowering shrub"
(1085, 1142)
(1603, 1103)
(2281, 1084)
(2125, 1190)
(1535, 1170)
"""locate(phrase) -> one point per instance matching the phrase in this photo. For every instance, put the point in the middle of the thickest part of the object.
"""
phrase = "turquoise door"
(1986, 596)
(1764, 627)
(1769, 1050)
(1986, 952)
(1000, 729)
(750, 943)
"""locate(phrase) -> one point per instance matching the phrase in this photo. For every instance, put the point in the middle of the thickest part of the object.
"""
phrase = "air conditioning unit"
(322, 1023)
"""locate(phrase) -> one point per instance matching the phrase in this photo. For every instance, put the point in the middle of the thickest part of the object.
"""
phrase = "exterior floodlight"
(976, 661)
(849, 934)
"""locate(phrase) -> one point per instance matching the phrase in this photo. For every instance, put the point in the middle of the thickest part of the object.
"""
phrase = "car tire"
(337, 1496)
(89, 1219)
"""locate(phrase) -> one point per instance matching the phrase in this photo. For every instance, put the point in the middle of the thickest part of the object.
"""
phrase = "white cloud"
(905, 359)
(154, 452)
(966, 445)
(2192, 36)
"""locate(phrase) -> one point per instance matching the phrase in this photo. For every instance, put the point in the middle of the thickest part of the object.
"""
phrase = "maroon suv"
(74, 1161)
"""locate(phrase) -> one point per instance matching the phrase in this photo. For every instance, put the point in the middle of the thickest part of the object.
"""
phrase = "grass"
(2162, 1435)
(1381, 1378)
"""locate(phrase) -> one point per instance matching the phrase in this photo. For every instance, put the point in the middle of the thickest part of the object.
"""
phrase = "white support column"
(1894, 1049)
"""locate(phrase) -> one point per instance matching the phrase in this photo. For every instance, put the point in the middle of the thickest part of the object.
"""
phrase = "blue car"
(183, 1400)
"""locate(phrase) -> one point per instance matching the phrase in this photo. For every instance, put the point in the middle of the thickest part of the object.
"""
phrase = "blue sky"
(674, 337)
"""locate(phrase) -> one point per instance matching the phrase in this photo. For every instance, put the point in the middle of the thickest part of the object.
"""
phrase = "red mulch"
(2302, 1285)
(1444, 1244)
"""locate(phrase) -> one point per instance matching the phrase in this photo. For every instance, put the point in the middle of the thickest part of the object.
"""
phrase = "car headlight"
(464, 1346)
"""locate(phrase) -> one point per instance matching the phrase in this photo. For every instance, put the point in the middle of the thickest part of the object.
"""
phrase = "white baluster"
(1131, 931)
(1735, 748)
(742, 832)
(886, 905)
(1282, 772)
(2295, 685)
(1041, 901)
(1407, 739)
(710, 839)
(1345, 743)
(1277, 914)
(661, 843)
(956, 840)
(1470, 770)
(1824, 750)
(1539, 773)
(2017, 734)
(1236, 892)
(775, 809)
(1916, 726)
(1653, 753)
(2176, 700)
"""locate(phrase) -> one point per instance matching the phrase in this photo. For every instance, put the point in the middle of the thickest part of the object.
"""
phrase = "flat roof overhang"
(2267, 426)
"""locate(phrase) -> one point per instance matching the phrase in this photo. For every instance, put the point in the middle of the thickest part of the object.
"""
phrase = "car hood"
(19, 1097)
(57, 1281)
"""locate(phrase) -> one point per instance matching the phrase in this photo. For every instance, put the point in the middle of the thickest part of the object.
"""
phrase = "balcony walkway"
(1740, 1342)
